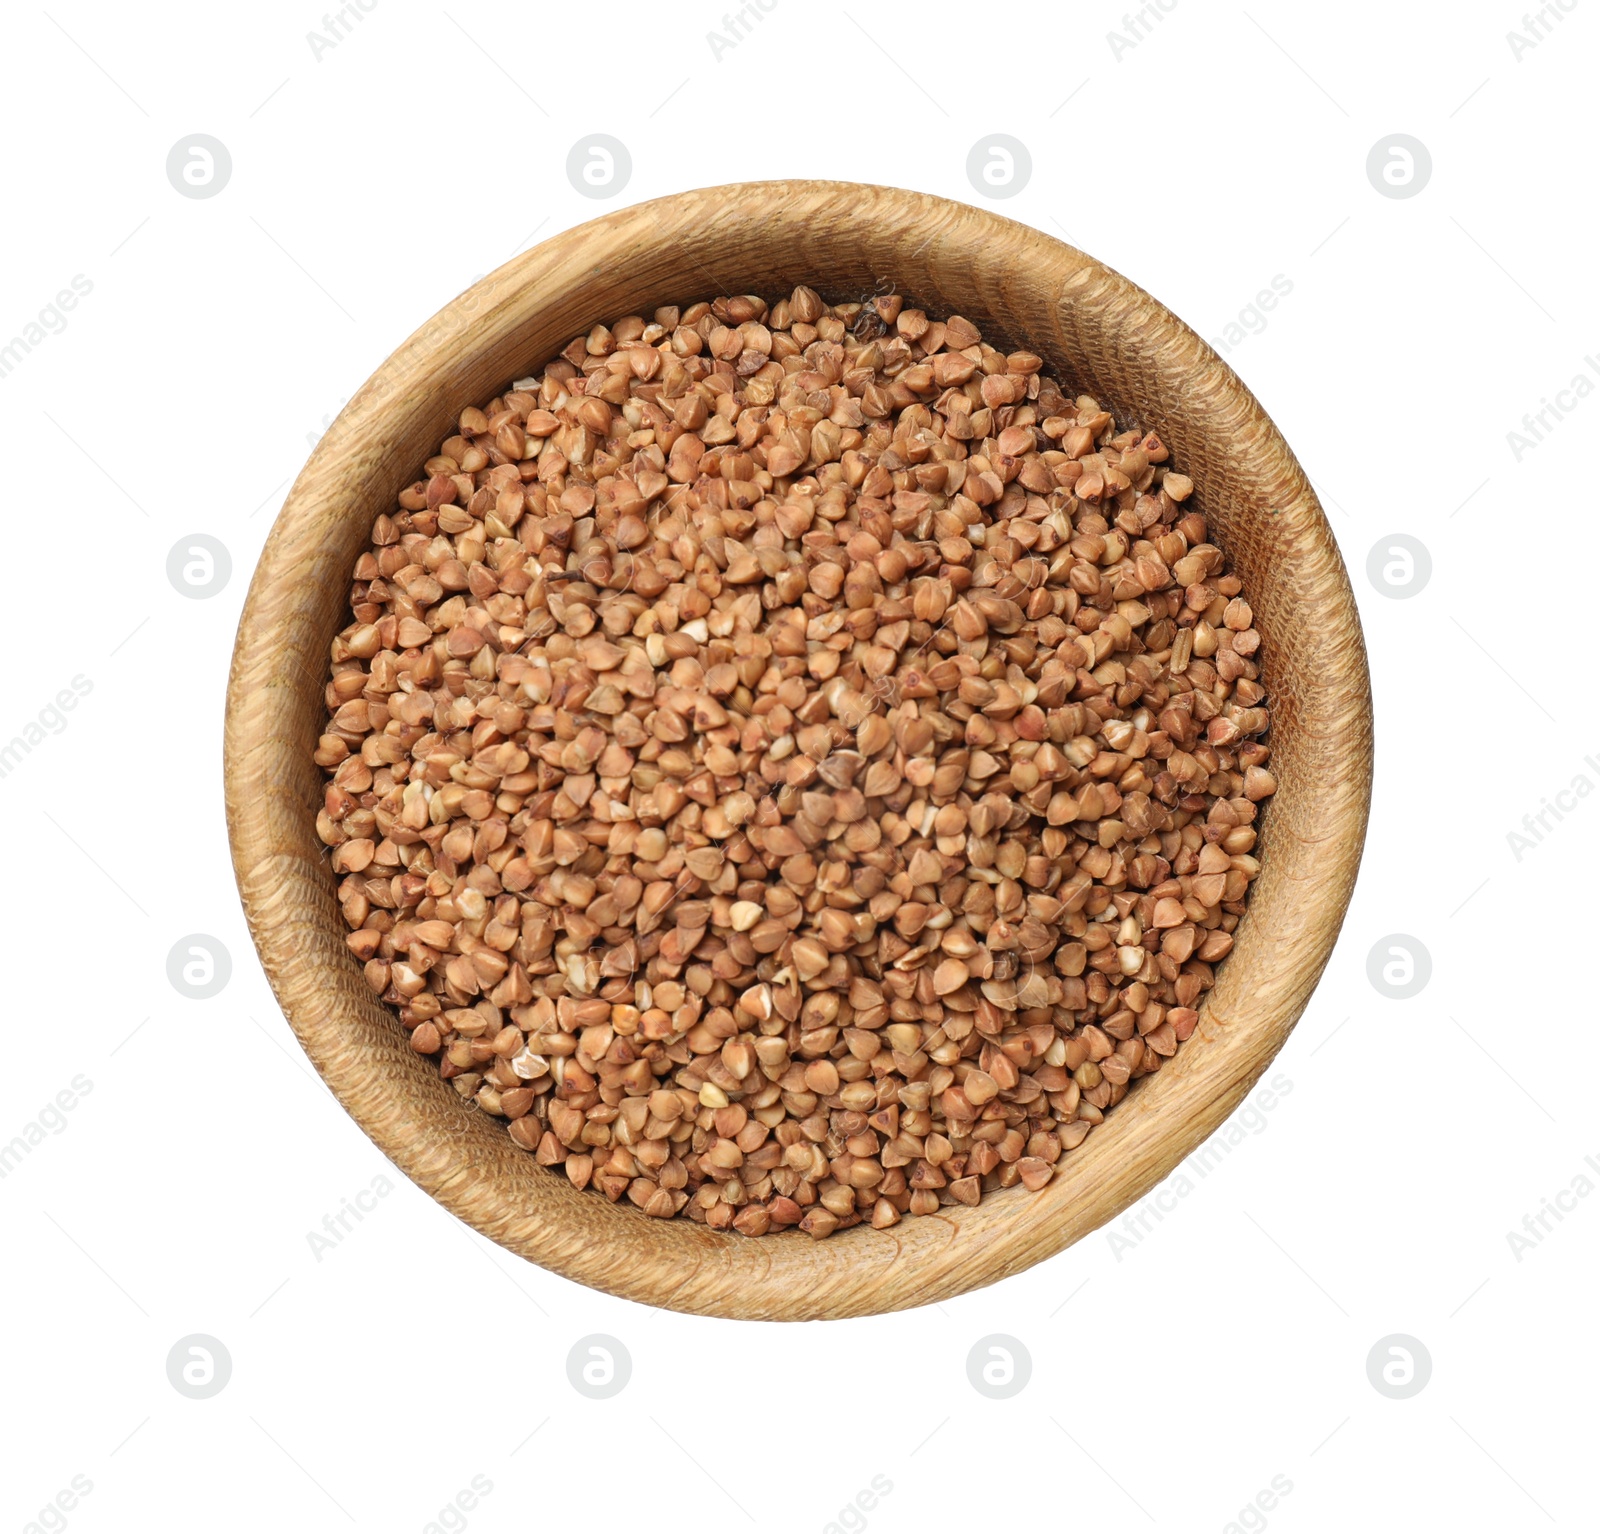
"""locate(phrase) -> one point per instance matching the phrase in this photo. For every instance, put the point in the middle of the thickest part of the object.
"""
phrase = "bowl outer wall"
(1099, 334)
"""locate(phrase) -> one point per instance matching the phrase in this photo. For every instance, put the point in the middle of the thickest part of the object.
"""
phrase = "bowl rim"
(448, 1148)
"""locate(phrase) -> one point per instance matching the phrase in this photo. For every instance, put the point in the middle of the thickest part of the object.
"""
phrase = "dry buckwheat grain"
(794, 764)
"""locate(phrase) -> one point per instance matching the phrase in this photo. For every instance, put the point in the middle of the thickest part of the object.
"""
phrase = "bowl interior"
(1099, 334)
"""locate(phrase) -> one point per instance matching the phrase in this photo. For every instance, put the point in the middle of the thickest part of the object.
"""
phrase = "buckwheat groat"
(793, 763)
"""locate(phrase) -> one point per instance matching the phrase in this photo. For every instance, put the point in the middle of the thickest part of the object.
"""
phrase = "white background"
(1171, 1381)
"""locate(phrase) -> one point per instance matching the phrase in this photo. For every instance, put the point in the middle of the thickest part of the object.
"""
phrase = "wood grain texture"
(1099, 334)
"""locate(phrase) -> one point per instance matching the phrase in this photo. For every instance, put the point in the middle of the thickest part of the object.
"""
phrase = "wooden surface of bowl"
(1099, 334)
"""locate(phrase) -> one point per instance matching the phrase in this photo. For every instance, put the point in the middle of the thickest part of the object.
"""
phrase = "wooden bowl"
(1098, 334)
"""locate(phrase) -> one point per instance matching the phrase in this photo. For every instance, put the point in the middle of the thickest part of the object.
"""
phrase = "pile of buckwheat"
(793, 764)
